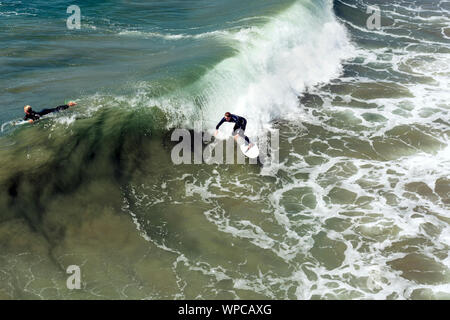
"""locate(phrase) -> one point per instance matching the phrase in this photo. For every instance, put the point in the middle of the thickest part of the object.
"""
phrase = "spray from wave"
(273, 65)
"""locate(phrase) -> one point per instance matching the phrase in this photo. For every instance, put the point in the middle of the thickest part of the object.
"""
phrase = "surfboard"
(19, 123)
(252, 153)
(10, 124)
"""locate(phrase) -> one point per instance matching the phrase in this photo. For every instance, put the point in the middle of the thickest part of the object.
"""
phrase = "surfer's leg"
(63, 107)
(244, 125)
(57, 109)
(241, 129)
(240, 133)
(45, 111)
(236, 132)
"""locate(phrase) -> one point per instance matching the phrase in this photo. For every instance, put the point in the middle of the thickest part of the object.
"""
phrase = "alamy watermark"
(374, 21)
(74, 281)
(198, 147)
(74, 21)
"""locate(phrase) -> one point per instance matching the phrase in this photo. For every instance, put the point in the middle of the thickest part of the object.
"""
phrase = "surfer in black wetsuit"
(239, 127)
(31, 115)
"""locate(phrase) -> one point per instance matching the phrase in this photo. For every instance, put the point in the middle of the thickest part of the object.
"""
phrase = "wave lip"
(274, 64)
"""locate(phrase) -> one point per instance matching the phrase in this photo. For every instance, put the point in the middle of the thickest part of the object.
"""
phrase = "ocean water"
(358, 206)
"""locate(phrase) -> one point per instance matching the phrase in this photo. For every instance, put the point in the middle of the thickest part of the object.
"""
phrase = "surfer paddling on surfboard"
(31, 115)
(239, 127)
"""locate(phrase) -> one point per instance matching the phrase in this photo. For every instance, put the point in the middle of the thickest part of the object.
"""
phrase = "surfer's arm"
(26, 118)
(220, 123)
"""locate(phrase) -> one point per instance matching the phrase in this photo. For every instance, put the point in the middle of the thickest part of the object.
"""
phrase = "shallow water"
(356, 208)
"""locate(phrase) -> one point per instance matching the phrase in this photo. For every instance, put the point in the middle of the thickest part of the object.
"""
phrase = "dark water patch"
(330, 253)
(416, 136)
(422, 190)
(311, 100)
(442, 188)
(48, 164)
(298, 200)
(341, 196)
(374, 117)
(421, 269)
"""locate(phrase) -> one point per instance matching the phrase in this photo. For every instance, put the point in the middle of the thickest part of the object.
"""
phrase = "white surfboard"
(19, 123)
(11, 124)
(251, 153)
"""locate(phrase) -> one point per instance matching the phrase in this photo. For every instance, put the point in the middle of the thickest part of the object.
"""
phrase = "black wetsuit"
(239, 127)
(33, 115)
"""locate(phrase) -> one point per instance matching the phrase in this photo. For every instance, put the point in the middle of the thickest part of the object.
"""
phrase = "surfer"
(31, 115)
(239, 127)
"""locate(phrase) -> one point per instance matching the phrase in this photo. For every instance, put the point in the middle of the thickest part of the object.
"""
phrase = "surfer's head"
(227, 116)
(27, 109)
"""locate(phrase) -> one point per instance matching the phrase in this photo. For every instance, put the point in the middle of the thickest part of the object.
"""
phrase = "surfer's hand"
(30, 121)
(71, 104)
(216, 133)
